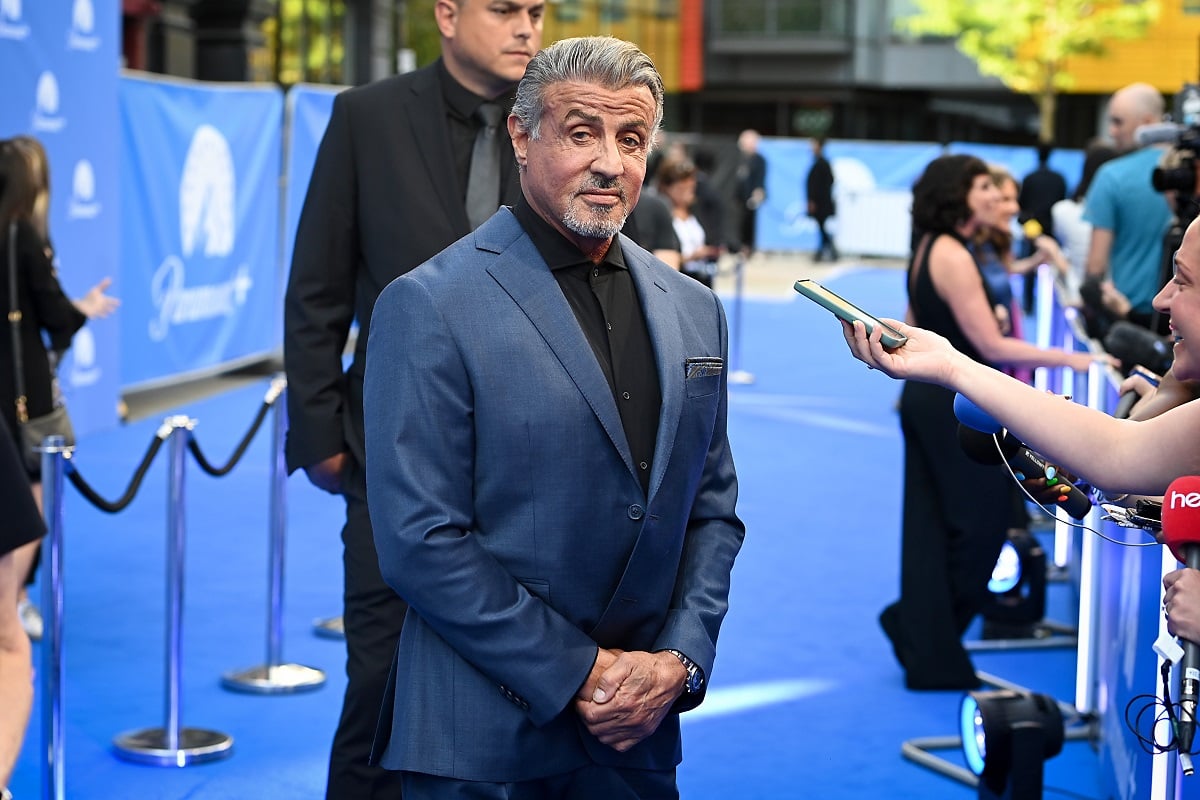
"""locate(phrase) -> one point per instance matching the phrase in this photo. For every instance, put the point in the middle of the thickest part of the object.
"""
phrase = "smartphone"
(848, 311)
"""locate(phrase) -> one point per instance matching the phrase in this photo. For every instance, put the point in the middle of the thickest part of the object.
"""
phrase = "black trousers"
(372, 614)
(593, 782)
(955, 521)
(825, 246)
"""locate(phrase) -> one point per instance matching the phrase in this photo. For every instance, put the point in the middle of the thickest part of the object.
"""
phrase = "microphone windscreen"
(1133, 345)
(978, 446)
(1181, 515)
(973, 416)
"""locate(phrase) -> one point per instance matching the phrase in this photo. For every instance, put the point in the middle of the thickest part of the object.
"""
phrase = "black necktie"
(483, 183)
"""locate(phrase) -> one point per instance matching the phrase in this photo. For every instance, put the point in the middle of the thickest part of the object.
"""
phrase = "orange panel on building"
(691, 45)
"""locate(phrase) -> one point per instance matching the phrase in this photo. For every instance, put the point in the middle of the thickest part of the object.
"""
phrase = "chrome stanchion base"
(741, 377)
(329, 628)
(196, 746)
(279, 679)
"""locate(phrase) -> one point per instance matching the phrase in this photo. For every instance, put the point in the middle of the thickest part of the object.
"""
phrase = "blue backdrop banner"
(200, 200)
(60, 62)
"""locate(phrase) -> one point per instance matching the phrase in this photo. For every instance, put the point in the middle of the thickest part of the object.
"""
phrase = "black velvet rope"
(134, 484)
(217, 472)
(112, 507)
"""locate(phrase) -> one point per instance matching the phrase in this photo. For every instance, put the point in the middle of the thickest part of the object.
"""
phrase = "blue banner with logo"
(200, 211)
(872, 191)
(60, 62)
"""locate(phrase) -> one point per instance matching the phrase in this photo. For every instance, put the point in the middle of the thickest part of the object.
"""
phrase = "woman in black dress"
(956, 512)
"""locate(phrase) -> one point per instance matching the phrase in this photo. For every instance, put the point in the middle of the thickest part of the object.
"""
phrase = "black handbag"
(57, 422)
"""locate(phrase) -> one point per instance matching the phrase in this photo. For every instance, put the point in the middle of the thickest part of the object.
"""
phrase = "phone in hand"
(848, 311)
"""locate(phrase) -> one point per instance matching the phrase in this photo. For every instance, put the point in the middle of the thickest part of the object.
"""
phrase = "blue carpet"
(806, 700)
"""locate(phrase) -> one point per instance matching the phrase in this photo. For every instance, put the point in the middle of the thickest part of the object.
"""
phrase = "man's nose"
(608, 159)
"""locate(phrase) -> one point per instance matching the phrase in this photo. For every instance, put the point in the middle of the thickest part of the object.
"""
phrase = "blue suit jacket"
(507, 510)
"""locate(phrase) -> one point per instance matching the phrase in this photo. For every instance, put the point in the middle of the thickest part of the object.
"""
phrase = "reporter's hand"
(1181, 603)
(1113, 300)
(926, 356)
(1082, 361)
(1139, 383)
(1048, 252)
(327, 475)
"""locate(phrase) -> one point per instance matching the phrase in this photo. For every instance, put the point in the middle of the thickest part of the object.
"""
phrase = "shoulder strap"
(14, 319)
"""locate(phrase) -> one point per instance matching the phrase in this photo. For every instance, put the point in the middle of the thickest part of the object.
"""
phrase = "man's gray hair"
(603, 60)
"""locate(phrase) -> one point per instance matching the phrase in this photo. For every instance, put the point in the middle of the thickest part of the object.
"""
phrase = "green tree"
(1026, 43)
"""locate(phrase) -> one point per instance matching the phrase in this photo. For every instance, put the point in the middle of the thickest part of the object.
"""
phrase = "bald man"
(1129, 218)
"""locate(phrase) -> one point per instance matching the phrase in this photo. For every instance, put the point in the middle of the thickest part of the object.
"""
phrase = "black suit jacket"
(819, 188)
(45, 308)
(383, 198)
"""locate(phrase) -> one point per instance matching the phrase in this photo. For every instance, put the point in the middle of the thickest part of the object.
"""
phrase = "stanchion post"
(172, 744)
(275, 677)
(738, 375)
(54, 450)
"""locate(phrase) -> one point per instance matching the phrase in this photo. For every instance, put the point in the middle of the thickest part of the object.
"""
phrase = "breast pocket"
(702, 386)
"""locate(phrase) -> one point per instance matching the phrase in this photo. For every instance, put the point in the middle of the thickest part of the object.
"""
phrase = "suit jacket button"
(636, 512)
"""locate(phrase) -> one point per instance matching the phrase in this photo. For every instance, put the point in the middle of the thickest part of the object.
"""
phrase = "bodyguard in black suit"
(387, 192)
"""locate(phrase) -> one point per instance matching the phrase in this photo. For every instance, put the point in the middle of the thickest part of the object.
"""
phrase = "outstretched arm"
(1114, 455)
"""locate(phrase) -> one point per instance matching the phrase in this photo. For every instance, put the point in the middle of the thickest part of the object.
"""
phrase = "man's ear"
(445, 12)
(520, 139)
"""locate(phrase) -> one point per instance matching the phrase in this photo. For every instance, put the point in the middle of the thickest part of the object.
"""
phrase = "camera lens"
(1175, 179)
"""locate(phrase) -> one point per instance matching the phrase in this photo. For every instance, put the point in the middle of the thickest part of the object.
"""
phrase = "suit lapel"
(662, 321)
(426, 113)
(523, 274)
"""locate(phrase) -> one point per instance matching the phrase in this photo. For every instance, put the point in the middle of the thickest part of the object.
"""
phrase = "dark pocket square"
(702, 366)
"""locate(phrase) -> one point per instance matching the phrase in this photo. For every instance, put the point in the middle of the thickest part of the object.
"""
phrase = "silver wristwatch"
(695, 675)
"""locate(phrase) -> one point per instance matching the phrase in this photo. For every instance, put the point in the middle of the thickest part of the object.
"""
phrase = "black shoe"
(890, 622)
(942, 683)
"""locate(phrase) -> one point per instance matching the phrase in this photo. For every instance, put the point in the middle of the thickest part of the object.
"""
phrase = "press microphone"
(975, 437)
(974, 417)
(1181, 532)
(1134, 344)
(981, 448)
(1125, 404)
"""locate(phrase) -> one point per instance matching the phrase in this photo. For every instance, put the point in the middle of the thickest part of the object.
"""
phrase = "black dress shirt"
(606, 306)
(461, 104)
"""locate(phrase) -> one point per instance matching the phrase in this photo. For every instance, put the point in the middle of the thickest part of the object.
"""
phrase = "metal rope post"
(172, 744)
(275, 677)
(54, 450)
(736, 373)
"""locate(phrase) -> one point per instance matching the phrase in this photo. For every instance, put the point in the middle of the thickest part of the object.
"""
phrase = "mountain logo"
(84, 370)
(207, 230)
(82, 35)
(206, 195)
(11, 26)
(83, 203)
(46, 116)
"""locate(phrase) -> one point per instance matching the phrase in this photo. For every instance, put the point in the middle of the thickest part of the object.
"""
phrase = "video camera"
(1184, 137)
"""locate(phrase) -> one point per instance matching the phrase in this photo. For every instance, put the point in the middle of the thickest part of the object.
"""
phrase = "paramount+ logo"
(1177, 499)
